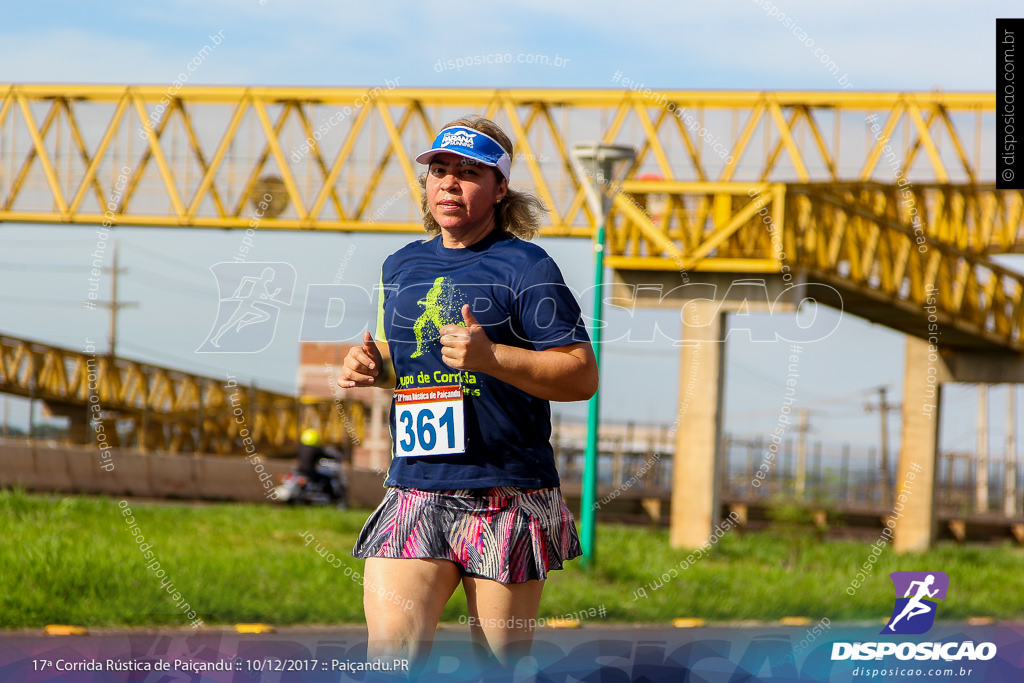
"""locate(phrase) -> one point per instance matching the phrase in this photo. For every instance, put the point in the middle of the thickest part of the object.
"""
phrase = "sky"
(734, 44)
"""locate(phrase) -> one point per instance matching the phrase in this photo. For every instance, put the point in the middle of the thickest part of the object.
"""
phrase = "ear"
(501, 191)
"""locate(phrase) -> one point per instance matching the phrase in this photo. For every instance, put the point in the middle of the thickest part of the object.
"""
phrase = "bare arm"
(564, 373)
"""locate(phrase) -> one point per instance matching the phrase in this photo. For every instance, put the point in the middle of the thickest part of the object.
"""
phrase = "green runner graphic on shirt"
(441, 306)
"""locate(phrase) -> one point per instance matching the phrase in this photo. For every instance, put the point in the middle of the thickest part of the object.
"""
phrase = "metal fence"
(638, 456)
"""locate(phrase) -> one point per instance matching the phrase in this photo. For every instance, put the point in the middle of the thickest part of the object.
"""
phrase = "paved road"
(754, 652)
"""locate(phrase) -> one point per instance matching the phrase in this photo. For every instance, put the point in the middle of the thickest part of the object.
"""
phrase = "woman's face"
(461, 194)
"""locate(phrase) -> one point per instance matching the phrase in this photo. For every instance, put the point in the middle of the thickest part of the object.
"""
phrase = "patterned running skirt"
(506, 534)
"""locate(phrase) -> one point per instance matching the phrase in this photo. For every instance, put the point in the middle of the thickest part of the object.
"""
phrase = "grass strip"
(75, 560)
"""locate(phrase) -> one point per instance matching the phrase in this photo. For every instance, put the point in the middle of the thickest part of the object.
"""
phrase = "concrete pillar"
(703, 300)
(696, 464)
(79, 430)
(925, 371)
(981, 470)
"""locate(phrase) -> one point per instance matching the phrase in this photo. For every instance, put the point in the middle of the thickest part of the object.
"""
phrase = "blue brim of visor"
(471, 144)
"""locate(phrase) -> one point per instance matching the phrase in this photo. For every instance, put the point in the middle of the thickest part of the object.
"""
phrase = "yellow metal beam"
(161, 409)
(840, 223)
(260, 126)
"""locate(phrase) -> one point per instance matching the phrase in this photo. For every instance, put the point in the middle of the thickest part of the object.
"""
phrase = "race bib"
(429, 421)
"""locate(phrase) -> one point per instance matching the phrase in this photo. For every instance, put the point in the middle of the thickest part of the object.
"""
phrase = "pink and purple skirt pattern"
(506, 534)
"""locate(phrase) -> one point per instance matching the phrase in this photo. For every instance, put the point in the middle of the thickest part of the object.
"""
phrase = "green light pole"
(598, 165)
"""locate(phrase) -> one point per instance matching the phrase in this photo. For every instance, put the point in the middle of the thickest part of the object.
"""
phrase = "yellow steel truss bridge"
(159, 409)
(889, 198)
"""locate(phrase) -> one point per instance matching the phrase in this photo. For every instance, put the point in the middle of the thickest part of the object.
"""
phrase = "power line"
(48, 244)
(884, 408)
(844, 398)
(858, 415)
(169, 259)
(42, 266)
(41, 302)
(180, 285)
(194, 367)
(752, 372)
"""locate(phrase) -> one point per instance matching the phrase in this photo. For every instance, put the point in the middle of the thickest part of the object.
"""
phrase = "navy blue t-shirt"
(518, 295)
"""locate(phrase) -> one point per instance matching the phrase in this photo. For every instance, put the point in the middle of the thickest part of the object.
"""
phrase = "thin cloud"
(881, 45)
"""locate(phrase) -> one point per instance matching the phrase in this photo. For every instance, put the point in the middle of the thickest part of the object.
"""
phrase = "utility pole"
(883, 407)
(802, 427)
(1010, 469)
(981, 480)
(114, 305)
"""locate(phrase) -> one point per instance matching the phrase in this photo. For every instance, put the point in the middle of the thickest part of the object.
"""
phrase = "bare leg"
(402, 625)
(502, 616)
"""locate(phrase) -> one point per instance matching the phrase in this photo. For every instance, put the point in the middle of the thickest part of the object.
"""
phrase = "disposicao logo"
(916, 592)
(914, 614)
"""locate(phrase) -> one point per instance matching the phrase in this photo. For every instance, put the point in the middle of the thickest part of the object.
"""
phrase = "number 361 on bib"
(429, 421)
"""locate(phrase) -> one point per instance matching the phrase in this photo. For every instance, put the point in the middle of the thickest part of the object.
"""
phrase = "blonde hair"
(519, 213)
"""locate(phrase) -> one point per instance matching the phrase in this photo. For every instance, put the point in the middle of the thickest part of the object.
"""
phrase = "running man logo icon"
(251, 296)
(914, 612)
(441, 305)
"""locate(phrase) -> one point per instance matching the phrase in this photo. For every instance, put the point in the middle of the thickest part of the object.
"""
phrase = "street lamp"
(600, 164)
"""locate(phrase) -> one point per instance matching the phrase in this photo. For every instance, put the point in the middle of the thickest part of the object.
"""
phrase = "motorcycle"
(298, 489)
